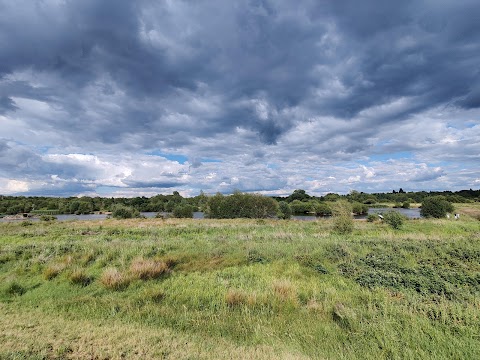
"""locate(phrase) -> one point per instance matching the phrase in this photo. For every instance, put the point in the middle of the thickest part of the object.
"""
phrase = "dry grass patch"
(114, 279)
(284, 290)
(236, 297)
(53, 270)
(145, 269)
(79, 277)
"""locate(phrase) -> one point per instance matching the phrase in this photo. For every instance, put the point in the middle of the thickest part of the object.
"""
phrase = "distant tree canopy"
(299, 201)
(239, 205)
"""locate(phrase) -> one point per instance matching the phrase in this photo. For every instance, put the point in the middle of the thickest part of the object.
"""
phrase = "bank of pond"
(413, 213)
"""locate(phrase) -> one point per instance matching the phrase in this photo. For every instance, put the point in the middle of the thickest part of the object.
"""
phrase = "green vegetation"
(299, 201)
(284, 210)
(124, 212)
(436, 206)
(240, 205)
(216, 289)
(394, 219)
(183, 211)
(342, 217)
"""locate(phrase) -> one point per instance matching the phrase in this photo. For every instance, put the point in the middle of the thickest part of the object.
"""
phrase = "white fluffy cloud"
(258, 96)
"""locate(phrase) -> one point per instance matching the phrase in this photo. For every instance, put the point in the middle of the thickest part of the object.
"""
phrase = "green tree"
(240, 205)
(302, 207)
(436, 206)
(284, 210)
(120, 211)
(183, 211)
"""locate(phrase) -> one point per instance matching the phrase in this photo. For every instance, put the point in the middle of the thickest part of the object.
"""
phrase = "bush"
(302, 207)
(394, 219)
(284, 210)
(372, 217)
(436, 206)
(342, 217)
(124, 212)
(47, 218)
(323, 209)
(359, 208)
(238, 205)
(183, 211)
(406, 205)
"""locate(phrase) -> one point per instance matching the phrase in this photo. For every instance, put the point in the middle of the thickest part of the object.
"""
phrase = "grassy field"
(239, 289)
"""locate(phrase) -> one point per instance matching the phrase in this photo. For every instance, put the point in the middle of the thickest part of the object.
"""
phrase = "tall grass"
(240, 289)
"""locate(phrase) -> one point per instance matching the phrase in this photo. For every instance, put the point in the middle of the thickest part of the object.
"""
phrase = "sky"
(137, 98)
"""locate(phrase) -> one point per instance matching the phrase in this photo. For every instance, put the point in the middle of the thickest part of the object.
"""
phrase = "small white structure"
(457, 216)
(380, 216)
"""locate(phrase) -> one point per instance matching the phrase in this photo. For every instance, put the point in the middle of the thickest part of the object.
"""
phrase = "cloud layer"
(130, 98)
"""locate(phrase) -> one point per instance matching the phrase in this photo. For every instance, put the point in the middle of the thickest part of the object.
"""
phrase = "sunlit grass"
(265, 289)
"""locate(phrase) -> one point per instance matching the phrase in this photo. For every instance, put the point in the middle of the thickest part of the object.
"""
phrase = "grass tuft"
(284, 290)
(236, 297)
(113, 279)
(53, 270)
(79, 277)
(146, 269)
(14, 289)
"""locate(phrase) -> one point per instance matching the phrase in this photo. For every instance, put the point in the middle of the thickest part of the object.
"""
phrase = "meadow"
(240, 289)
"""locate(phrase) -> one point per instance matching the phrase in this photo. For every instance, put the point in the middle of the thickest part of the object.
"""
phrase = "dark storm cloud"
(6, 104)
(256, 49)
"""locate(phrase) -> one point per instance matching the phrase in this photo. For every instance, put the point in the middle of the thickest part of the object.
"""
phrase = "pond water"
(68, 217)
(410, 213)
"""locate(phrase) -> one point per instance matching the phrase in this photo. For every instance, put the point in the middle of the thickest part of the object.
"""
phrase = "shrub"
(47, 218)
(239, 205)
(183, 211)
(406, 205)
(284, 210)
(124, 212)
(323, 209)
(372, 217)
(114, 279)
(436, 206)
(302, 207)
(147, 269)
(359, 208)
(394, 219)
(342, 217)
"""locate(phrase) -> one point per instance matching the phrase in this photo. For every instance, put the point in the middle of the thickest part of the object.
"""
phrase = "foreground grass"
(219, 289)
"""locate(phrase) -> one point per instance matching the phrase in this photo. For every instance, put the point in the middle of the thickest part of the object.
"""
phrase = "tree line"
(226, 206)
